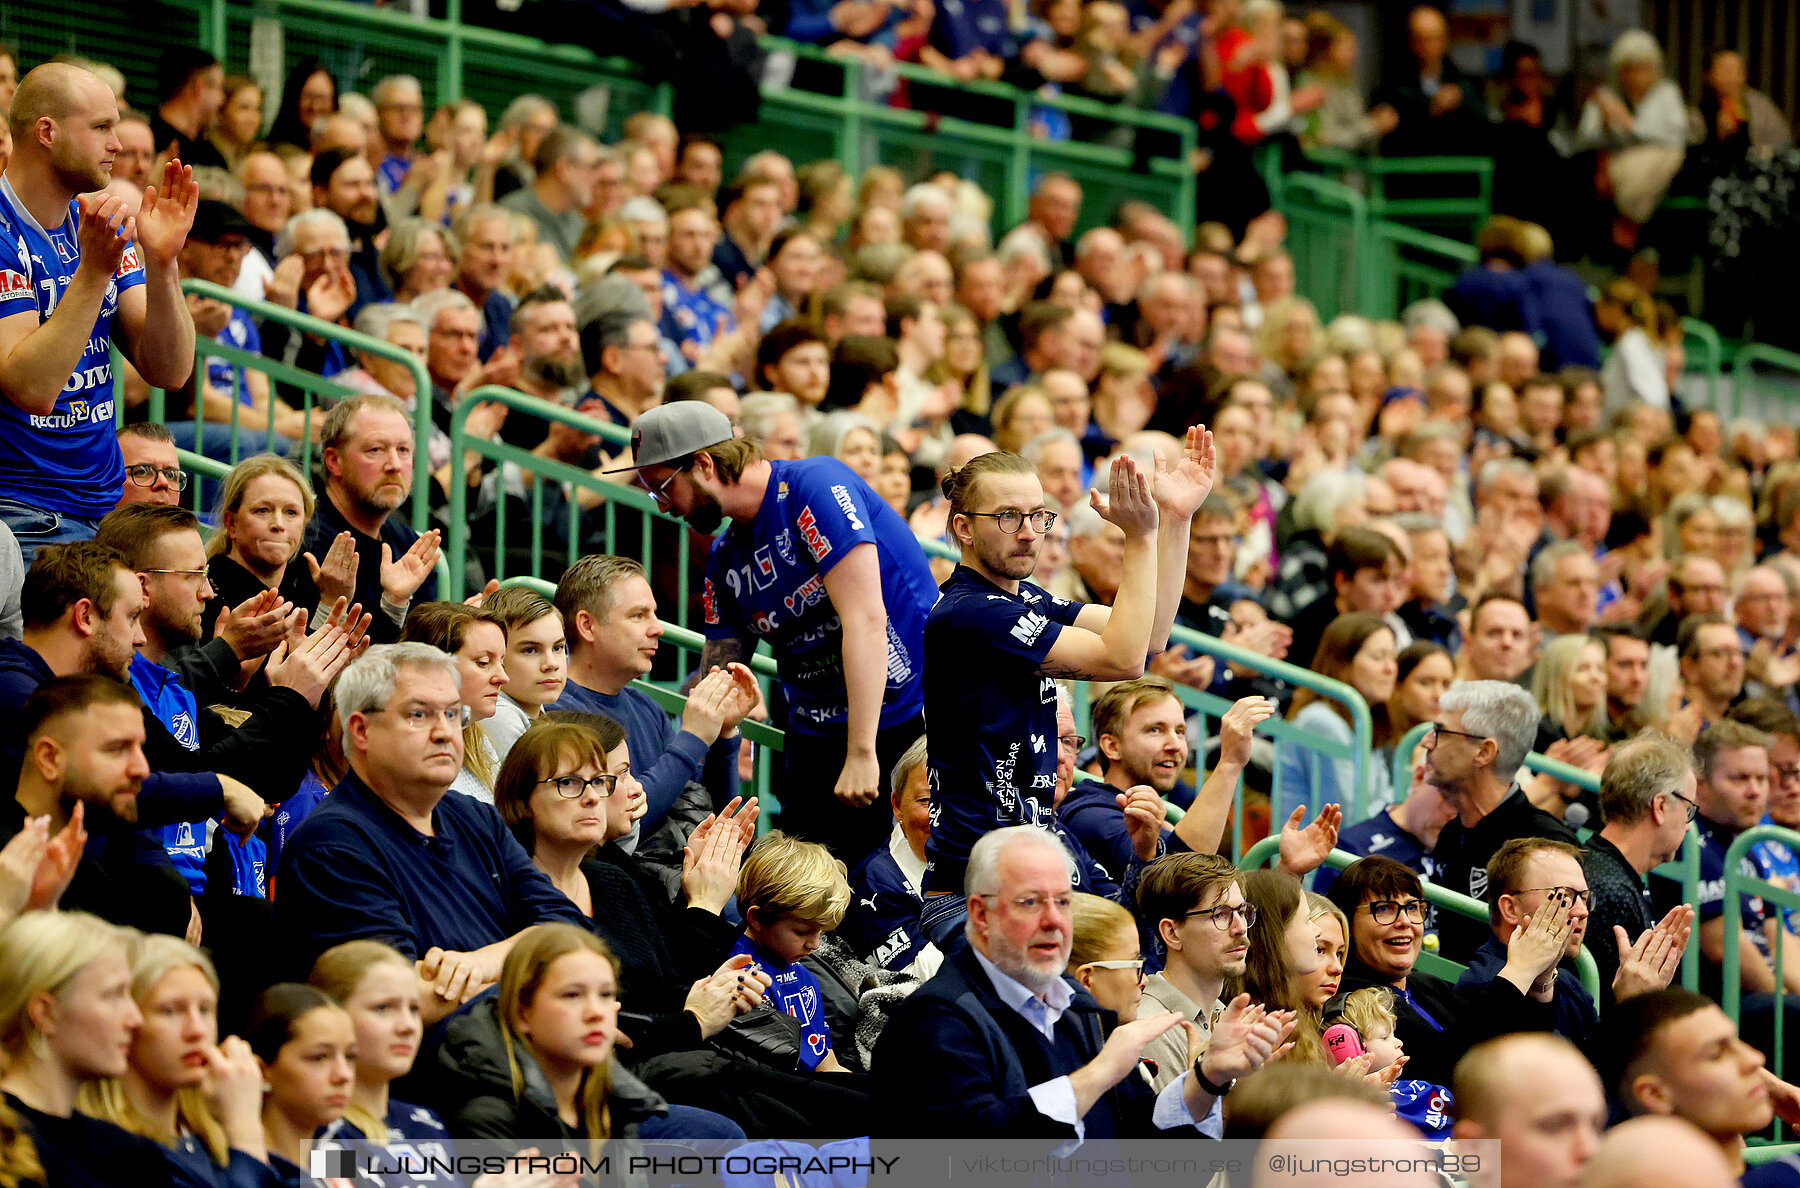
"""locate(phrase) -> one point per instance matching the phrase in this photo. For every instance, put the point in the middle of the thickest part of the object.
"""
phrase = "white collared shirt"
(1055, 1099)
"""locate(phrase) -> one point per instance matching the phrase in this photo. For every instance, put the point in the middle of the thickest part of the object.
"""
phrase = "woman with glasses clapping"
(1385, 904)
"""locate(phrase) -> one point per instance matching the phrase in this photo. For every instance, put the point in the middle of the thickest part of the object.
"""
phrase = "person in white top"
(537, 662)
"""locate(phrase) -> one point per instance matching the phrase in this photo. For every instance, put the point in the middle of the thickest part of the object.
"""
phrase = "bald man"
(1667, 1152)
(1349, 1130)
(1538, 1095)
(71, 273)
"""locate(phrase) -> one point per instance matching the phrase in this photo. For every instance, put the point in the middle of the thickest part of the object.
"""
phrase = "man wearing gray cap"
(817, 564)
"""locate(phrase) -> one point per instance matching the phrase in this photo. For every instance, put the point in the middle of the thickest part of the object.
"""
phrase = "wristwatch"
(1204, 1083)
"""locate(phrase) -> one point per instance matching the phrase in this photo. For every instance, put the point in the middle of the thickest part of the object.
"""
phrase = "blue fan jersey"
(66, 461)
(766, 578)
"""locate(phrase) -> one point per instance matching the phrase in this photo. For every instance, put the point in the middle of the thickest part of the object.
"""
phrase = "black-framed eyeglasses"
(1386, 911)
(1693, 806)
(145, 475)
(1011, 520)
(1076, 741)
(1221, 915)
(571, 787)
(1785, 771)
(1580, 895)
(1431, 736)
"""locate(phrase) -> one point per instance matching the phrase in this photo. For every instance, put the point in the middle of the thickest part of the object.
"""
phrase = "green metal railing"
(1118, 160)
(1770, 375)
(1282, 731)
(1460, 189)
(1705, 356)
(1739, 883)
(688, 645)
(612, 500)
(315, 391)
(1442, 897)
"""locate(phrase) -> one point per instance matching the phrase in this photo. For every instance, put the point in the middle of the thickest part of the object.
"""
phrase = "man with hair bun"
(817, 564)
(996, 643)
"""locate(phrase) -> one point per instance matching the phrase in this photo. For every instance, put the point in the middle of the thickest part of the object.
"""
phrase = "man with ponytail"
(995, 644)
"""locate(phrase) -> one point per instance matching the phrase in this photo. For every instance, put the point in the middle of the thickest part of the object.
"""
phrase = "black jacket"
(662, 950)
(1462, 1021)
(956, 1062)
(477, 1098)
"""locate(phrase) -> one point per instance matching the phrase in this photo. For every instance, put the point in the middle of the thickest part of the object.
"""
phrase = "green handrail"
(1744, 374)
(205, 348)
(1708, 345)
(462, 443)
(467, 55)
(1401, 771)
(1443, 897)
(1738, 883)
(1361, 724)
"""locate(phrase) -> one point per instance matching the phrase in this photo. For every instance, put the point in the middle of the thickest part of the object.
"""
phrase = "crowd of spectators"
(270, 786)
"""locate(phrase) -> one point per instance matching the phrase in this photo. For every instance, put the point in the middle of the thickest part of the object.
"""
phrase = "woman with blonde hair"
(378, 988)
(478, 642)
(265, 504)
(538, 1058)
(1105, 955)
(1569, 682)
(965, 362)
(1287, 336)
(1020, 415)
(200, 1099)
(67, 1019)
(1634, 372)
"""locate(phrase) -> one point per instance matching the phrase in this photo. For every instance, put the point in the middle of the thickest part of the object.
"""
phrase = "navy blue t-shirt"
(66, 461)
(1379, 835)
(992, 715)
(766, 578)
(1709, 898)
(963, 26)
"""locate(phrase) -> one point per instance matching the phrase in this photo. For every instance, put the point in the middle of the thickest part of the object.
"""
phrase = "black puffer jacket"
(476, 1091)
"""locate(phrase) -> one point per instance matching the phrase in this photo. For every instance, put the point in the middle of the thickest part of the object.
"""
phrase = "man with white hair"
(393, 855)
(400, 118)
(925, 212)
(1479, 739)
(1001, 1044)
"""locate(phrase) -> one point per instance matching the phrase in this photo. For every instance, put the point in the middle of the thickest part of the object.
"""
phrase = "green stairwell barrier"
(360, 44)
(1765, 379)
(316, 392)
(1738, 884)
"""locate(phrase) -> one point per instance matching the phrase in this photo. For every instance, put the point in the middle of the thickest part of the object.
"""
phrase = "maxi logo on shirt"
(816, 544)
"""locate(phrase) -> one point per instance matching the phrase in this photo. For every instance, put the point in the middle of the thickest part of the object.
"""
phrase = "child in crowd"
(1370, 1013)
(791, 893)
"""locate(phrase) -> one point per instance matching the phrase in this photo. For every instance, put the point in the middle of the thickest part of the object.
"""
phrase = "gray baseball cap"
(670, 432)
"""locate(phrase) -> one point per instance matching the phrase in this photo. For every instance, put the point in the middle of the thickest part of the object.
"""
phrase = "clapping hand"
(1128, 502)
(1305, 850)
(1538, 944)
(1650, 963)
(402, 576)
(335, 576)
(1182, 488)
(1246, 1037)
(1237, 728)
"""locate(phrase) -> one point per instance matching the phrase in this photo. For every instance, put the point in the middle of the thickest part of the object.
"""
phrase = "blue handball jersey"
(67, 461)
(991, 713)
(766, 578)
